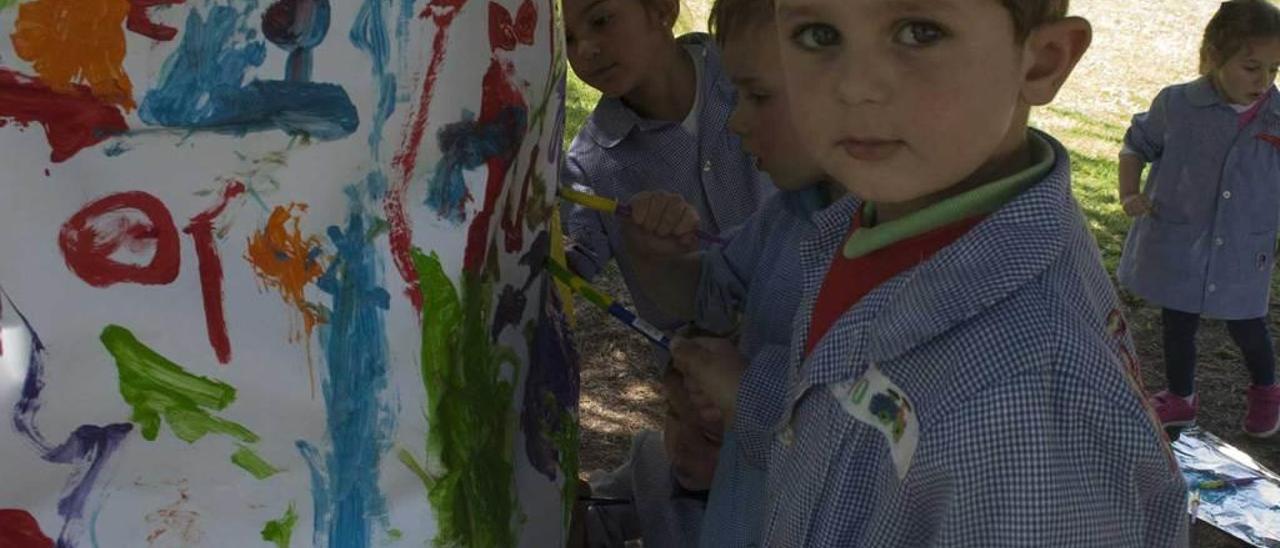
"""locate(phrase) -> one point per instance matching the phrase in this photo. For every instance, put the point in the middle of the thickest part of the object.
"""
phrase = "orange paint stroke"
(77, 42)
(286, 261)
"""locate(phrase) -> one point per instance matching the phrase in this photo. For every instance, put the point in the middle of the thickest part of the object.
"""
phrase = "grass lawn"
(1138, 48)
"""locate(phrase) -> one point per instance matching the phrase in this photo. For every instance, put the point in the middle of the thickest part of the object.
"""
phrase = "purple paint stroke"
(551, 391)
(512, 301)
(297, 26)
(87, 449)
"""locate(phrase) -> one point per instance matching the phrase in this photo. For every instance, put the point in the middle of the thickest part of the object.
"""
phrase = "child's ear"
(1051, 53)
(664, 12)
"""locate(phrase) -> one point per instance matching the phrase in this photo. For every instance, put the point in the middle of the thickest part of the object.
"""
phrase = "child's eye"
(815, 36)
(602, 20)
(758, 98)
(918, 34)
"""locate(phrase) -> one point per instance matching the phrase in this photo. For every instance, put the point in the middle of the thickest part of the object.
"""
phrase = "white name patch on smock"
(876, 401)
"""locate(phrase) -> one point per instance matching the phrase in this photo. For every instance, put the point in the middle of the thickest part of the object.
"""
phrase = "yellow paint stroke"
(77, 42)
(286, 261)
(557, 253)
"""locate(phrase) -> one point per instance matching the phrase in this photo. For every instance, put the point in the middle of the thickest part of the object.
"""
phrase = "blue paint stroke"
(407, 14)
(551, 391)
(116, 149)
(369, 34)
(297, 26)
(201, 86)
(466, 145)
(360, 421)
(87, 449)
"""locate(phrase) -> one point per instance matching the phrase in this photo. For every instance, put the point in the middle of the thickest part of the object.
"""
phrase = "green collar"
(979, 201)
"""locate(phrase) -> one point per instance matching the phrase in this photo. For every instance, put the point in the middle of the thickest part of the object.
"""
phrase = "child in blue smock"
(1204, 239)
(754, 277)
(662, 124)
(956, 370)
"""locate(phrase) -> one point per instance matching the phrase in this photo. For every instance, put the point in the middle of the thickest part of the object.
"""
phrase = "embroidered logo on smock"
(1273, 139)
(876, 401)
(1118, 330)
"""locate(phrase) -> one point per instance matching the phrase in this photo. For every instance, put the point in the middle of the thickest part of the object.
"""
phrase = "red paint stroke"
(526, 22)
(505, 34)
(72, 120)
(513, 221)
(442, 13)
(499, 94)
(19, 529)
(139, 20)
(201, 230)
(95, 233)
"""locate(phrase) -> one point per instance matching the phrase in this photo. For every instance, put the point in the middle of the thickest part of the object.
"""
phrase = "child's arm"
(1135, 203)
(659, 237)
(1143, 144)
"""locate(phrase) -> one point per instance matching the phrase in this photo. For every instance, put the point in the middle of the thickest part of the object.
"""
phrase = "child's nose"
(588, 49)
(860, 80)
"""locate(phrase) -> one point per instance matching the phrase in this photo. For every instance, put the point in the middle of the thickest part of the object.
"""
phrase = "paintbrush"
(609, 304)
(1223, 483)
(612, 207)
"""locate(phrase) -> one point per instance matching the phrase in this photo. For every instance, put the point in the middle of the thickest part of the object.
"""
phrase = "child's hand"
(661, 224)
(713, 368)
(1136, 205)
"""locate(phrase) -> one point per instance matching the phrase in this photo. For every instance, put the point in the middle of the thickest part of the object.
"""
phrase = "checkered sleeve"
(589, 248)
(1048, 459)
(761, 397)
(1145, 137)
(725, 277)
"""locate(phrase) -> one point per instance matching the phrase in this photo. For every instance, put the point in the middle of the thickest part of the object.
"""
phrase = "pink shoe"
(1173, 410)
(1262, 417)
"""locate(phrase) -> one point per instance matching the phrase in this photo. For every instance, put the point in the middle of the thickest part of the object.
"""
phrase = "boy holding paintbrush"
(660, 125)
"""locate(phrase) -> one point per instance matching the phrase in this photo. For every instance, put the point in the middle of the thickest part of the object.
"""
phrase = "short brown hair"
(730, 16)
(1233, 27)
(1030, 14)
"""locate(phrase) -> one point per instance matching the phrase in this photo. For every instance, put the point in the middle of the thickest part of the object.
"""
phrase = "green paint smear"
(158, 388)
(6, 4)
(281, 530)
(394, 535)
(254, 464)
(565, 439)
(471, 482)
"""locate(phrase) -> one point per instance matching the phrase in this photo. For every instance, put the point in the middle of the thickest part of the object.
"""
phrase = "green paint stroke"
(254, 464)
(565, 439)
(281, 530)
(472, 425)
(6, 4)
(158, 388)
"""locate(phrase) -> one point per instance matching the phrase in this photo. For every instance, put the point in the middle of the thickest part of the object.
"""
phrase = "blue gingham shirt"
(755, 274)
(1030, 430)
(1209, 246)
(617, 154)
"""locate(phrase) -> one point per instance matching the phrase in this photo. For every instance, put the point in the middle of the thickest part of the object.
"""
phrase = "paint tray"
(1248, 512)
